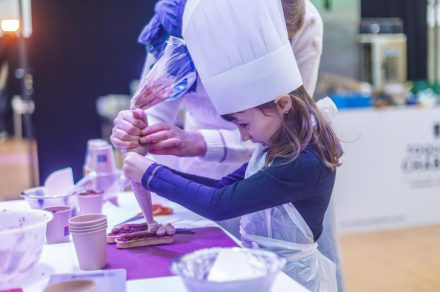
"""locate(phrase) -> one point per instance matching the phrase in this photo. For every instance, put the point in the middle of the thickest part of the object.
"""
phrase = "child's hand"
(135, 165)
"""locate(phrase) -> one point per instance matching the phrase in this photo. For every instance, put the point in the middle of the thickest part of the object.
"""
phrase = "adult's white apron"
(283, 230)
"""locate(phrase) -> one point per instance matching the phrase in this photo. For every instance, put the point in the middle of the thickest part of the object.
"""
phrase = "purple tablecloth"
(155, 261)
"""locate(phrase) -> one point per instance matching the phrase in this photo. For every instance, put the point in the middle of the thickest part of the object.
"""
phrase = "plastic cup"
(103, 182)
(90, 203)
(72, 286)
(89, 163)
(104, 160)
(91, 249)
(58, 228)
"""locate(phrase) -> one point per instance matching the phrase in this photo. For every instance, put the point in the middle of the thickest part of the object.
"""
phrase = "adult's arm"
(307, 47)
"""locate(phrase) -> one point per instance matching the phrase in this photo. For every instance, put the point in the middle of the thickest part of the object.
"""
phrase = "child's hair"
(294, 12)
(298, 131)
(304, 125)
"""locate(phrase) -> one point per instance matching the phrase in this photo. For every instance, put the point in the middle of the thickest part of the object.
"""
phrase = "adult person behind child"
(209, 145)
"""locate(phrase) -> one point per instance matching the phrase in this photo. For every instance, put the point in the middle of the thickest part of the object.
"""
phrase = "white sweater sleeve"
(226, 146)
(307, 47)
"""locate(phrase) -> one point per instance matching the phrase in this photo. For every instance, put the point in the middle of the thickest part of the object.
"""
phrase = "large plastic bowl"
(37, 198)
(194, 270)
(22, 236)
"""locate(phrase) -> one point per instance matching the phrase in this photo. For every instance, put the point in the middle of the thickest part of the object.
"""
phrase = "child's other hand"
(135, 165)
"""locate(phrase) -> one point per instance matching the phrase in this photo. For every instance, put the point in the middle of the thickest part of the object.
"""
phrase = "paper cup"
(91, 249)
(58, 228)
(90, 203)
(72, 286)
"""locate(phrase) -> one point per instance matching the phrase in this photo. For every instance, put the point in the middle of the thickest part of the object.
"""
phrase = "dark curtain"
(80, 50)
(414, 16)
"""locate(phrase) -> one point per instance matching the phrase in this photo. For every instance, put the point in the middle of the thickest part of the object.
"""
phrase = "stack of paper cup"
(89, 237)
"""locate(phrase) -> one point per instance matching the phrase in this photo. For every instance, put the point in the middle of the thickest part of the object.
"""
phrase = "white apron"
(282, 230)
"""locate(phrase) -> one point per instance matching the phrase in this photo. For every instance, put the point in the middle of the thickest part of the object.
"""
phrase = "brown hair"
(298, 131)
(294, 12)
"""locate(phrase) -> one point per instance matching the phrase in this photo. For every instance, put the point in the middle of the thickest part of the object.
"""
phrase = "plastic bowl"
(37, 198)
(195, 268)
(22, 236)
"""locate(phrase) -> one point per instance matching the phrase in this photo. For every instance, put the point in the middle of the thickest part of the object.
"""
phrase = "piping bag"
(171, 76)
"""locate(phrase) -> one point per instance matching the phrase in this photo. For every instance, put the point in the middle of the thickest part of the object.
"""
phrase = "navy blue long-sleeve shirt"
(304, 182)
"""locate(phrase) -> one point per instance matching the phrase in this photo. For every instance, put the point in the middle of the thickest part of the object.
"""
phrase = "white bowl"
(22, 236)
(262, 267)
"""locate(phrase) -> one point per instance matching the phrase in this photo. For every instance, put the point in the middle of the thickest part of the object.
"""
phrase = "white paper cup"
(90, 203)
(58, 228)
(91, 249)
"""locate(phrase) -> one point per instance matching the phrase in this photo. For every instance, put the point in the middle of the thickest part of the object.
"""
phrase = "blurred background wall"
(80, 50)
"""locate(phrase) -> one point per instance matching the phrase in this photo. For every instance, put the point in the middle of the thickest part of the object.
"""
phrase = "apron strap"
(299, 221)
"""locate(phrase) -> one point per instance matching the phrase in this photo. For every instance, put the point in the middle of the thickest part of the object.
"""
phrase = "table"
(61, 258)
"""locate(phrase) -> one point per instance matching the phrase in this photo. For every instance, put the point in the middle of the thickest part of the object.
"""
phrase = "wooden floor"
(15, 168)
(400, 260)
(405, 260)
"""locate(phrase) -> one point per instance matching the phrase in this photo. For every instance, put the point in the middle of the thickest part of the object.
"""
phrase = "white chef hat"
(241, 51)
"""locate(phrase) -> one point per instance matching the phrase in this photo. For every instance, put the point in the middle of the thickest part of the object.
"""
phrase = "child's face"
(256, 125)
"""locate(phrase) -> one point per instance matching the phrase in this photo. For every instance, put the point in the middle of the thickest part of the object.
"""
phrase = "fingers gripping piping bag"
(170, 77)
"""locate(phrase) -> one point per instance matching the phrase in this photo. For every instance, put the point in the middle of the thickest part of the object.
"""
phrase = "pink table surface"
(155, 261)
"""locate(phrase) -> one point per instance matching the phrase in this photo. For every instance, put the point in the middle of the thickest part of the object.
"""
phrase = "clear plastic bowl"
(37, 198)
(194, 269)
(22, 236)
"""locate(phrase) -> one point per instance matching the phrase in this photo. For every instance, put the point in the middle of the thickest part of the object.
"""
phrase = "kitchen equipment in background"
(339, 46)
(383, 52)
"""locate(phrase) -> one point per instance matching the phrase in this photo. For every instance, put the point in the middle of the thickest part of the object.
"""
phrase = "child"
(283, 192)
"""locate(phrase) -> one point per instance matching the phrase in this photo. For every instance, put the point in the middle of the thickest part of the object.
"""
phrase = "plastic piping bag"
(171, 76)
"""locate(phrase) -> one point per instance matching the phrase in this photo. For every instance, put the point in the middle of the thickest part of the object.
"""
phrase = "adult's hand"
(127, 131)
(165, 139)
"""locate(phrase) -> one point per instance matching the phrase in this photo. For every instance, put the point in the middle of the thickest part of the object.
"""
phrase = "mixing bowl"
(37, 198)
(22, 236)
(240, 270)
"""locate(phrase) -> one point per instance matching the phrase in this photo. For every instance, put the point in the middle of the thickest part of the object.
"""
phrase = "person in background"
(283, 192)
(208, 145)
